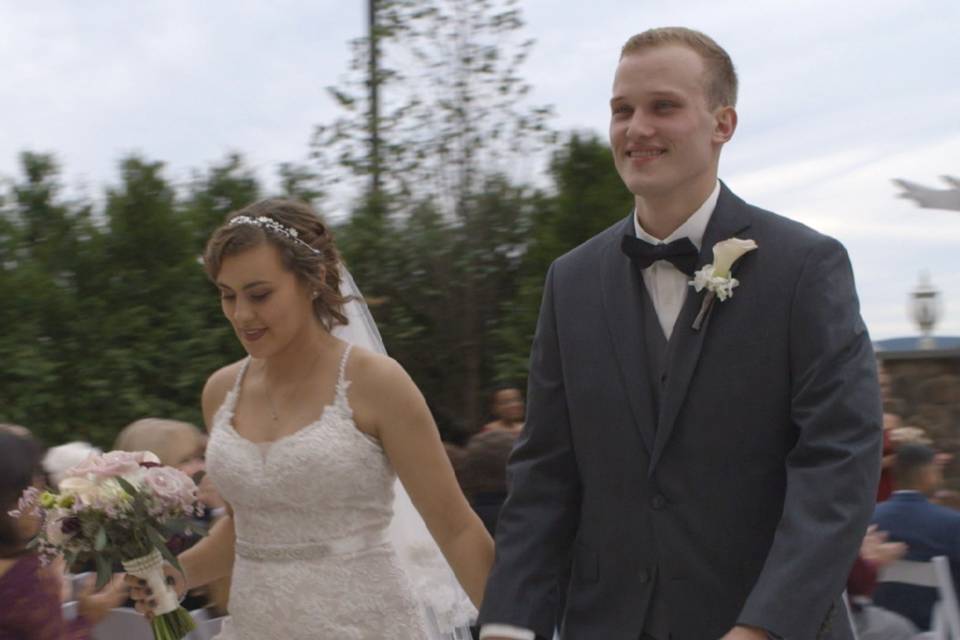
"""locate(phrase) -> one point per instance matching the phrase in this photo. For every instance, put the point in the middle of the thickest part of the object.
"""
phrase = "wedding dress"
(312, 512)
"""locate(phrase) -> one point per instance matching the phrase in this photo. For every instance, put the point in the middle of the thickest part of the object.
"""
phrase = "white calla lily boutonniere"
(716, 278)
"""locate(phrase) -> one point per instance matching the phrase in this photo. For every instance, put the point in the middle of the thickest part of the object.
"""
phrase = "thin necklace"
(296, 391)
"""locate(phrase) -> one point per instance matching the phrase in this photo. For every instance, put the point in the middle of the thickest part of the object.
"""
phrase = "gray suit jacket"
(744, 499)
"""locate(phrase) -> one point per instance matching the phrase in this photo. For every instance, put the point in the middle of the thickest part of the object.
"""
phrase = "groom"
(687, 483)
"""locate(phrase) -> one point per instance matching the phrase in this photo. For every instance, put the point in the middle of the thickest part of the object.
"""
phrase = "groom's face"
(665, 136)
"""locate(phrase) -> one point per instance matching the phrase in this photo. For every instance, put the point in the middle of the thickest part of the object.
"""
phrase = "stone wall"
(923, 388)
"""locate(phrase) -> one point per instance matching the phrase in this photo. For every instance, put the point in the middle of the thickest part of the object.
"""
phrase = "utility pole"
(374, 79)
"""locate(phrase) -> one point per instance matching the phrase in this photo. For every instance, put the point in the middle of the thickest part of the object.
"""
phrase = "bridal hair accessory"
(716, 278)
(269, 223)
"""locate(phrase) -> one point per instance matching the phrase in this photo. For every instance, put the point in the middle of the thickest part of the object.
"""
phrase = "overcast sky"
(836, 99)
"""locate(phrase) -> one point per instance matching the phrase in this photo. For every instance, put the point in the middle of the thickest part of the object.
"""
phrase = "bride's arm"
(212, 558)
(388, 404)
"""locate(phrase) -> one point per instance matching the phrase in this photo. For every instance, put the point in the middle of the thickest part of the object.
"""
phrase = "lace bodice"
(310, 513)
(328, 467)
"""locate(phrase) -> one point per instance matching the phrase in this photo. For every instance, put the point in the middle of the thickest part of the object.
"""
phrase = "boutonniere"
(716, 278)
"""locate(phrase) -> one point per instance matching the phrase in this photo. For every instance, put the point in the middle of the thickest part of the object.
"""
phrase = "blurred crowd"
(916, 519)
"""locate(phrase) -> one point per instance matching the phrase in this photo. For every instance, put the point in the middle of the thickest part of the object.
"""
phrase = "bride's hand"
(145, 600)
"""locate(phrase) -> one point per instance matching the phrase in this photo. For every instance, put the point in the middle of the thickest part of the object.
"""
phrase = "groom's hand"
(746, 633)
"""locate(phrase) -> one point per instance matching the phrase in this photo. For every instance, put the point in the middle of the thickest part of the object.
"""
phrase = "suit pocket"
(586, 565)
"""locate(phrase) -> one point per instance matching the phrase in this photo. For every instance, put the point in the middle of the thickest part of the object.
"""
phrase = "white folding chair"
(206, 629)
(78, 581)
(123, 624)
(70, 610)
(853, 625)
(936, 574)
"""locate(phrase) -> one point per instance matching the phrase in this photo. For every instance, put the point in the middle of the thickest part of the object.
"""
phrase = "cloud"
(836, 99)
(848, 194)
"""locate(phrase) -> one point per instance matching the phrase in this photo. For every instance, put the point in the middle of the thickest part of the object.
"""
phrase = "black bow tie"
(681, 253)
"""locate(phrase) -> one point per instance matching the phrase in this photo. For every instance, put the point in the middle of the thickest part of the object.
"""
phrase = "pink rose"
(170, 485)
(112, 464)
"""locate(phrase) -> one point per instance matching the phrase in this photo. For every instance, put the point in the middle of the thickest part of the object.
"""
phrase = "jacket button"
(644, 576)
(658, 502)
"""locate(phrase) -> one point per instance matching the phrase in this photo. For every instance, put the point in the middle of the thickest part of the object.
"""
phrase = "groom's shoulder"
(785, 237)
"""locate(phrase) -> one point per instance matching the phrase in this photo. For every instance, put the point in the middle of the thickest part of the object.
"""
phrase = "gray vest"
(658, 351)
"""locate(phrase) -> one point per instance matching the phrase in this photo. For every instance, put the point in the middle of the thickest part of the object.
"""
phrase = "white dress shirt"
(667, 287)
(666, 284)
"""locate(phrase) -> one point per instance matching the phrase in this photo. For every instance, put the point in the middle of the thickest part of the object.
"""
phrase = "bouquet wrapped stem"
(171, 621)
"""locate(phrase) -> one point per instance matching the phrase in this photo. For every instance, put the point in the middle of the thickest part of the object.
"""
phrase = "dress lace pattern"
(311, 512)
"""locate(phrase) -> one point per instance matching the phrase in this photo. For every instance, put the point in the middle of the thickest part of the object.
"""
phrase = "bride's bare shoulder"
(215, 390)
(365, 366)
(371, 371)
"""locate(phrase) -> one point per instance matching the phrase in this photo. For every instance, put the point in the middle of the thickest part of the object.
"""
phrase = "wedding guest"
(456, 454)
(507, 409)
(891, 421)
(873, 622)
(62, 457)
(15, 429)
(177, 444)
(484, 473)
(927, 529)
(30, 593)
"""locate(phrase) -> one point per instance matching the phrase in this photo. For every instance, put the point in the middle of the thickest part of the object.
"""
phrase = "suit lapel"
(622, 289)
(730, 217)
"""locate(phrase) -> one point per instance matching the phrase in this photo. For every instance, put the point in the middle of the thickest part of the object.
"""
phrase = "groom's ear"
(725, 123)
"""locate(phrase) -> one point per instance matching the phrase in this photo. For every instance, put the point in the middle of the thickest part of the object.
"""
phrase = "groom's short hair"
(722, 77)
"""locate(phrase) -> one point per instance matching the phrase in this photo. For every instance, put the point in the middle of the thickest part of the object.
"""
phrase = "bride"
(307, 437)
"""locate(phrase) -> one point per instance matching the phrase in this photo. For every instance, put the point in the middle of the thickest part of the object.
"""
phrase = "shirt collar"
(693, 227)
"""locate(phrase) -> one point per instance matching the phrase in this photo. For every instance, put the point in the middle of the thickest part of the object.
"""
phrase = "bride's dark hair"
(318, 268)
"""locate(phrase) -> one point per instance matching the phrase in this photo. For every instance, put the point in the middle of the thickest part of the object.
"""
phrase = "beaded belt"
(310, 550)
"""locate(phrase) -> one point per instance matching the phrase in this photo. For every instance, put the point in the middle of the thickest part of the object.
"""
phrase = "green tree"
(439, 248)
(587, 197)
(42, 274)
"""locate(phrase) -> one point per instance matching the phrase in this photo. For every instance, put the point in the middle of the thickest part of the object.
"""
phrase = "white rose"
(727, 252)
(83, 489)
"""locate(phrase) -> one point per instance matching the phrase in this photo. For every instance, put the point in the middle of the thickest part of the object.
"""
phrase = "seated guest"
(507, 410)
(30, 593)
(870, 621)
(65, 456)
(483, 474)
(927, 529)
(177, 444)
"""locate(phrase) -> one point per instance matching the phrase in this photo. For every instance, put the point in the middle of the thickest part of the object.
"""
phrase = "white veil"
(447, 608)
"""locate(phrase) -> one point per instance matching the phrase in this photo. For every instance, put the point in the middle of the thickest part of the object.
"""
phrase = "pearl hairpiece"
(270, 224)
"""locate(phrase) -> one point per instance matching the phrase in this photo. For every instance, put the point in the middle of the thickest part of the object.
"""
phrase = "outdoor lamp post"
(925, 307)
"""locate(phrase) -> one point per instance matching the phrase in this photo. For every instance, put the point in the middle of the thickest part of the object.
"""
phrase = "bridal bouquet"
(120, 507)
